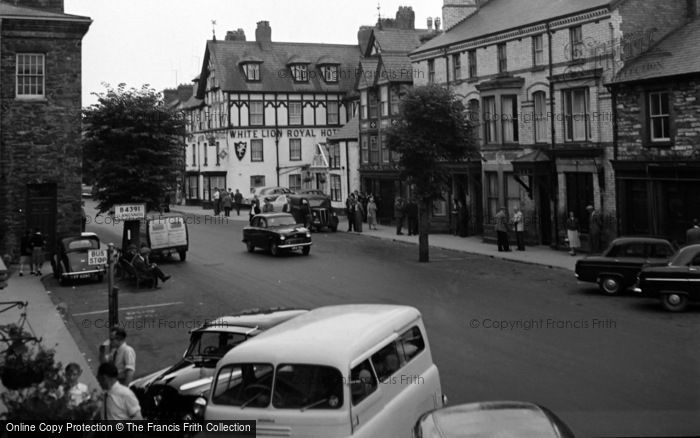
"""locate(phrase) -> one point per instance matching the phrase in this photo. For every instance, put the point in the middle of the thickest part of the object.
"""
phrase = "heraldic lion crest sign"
(240, 148)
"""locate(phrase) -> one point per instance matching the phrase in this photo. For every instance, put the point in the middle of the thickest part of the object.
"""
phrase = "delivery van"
(165, 233)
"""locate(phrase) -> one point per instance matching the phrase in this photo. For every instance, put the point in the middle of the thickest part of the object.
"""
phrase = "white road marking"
(97, 312)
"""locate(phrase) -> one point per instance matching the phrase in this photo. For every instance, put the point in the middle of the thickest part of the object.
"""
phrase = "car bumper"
(293, 245)
(82, 274)
(637, 290)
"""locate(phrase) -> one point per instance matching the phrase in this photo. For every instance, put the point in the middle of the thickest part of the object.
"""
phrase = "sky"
(161, 42)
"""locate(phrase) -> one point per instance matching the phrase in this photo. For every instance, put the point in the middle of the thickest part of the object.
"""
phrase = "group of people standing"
(406, 211)
(573, 230)
(226, 200)
(503, 227)
(32, 252)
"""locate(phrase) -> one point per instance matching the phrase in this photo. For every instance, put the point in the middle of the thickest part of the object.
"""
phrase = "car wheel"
(306, 250)
(674, 302)
(274, 249)
(249, 245)
(610, 285)
(183, 255)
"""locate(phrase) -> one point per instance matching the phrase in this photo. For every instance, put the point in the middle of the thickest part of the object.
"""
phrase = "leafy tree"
(132, 147)
(433, 129)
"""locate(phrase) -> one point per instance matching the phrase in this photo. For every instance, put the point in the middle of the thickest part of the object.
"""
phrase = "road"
(608, 366)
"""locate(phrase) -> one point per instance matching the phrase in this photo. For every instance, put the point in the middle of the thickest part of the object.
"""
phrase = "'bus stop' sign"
(129, 211)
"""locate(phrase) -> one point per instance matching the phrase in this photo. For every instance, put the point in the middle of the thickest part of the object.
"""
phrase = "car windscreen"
(305, 387)
(83, 244)
(684, 257)
(212, 344)
(278, 221)
(317, 202)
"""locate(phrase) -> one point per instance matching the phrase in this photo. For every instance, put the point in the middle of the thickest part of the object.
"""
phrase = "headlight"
(199, 406)
(282, 237)
(308, 234)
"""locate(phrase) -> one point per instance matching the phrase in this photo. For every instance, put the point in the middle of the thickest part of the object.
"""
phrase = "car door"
(659, 253)
(630, 259)
(693, 279)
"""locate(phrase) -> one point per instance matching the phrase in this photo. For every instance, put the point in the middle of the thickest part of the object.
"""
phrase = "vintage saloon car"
(617, 267)
(314, 211)
(168, 394)
(71, 261)
(676, 283)
(277, 232)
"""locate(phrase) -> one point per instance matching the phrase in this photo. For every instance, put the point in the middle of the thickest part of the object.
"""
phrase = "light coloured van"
(337, 371)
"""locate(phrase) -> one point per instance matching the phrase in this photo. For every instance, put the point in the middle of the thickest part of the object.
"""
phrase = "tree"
(433, 129)
(132, 147)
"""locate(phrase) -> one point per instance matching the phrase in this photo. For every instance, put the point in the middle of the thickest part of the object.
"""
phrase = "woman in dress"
(371, 213)
(572, 229)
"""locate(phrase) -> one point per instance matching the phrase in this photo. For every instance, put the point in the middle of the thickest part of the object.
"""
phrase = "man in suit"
(502, 230)
(142, 264)
(692, 236)
(595, 225)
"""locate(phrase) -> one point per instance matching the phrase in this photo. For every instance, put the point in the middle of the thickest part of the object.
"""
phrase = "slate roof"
(11, 11)
(367, 72)
(676, 54)
(396, 68)
(351, 131)
(275, 75)
(497, 16)
(398, 40)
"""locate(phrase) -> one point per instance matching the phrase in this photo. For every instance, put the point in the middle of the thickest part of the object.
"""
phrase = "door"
(545, 215)
(41, 212)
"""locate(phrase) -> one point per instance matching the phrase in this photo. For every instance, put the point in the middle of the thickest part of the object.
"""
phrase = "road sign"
(97, 257)
(129, 211)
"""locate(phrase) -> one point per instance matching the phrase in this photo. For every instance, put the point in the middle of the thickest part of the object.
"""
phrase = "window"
(537, 50)
(502, 58)
(302, 387)
(218, 159)
(334, 155)
(294, 149)
(300, 72)
(295, 113)
(255, 115)
(363, 105)
(490, 119)
(384, 148)
(384, 99)
(509, 118)
(372, 105)
(540, 116)
(330, 73)
(257, 181)
(256, 151)
(373, 150)
(30, 75)
(205, 153)
(192, 186)
(229, 387)
(362, 382)
(397, 354)
(456, 67)
(472, 63)
(431, 71)
(512, 191)
(576, 42)
(395, 99)
(659, 117)
(332, 113)
(295, 182)
(492, 194)
(576, 118)
(336, 188)
(194, 154)
(364, 149)
(474, 115)
(386, 362)
(252, 71)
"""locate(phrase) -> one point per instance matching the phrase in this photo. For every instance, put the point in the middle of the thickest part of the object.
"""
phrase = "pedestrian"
(595, 226)
(217, 201)
(412, 217)
(371, 213)
(502, 230)
(119, 402)
(37, 242)
(25, 253)
(572, 233)
(123, 355)
(227, 202)
(359, 213)
(399, 213)
(256, 204)
(142, 263)
(519, 227)
(692, 235)
(237, 201)
(350, 206)
(73, 390)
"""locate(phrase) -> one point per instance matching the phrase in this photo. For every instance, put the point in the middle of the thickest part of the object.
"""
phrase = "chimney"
(263, 35)
(437, 23)
(235, 35)
(363, 35)
(184, 92)
(47, 5)
(405, 18)
(454, 11)
(430, 22)
(693, 7)
(169, 95)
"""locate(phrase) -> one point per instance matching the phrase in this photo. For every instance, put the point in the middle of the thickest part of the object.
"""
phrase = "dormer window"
(252, 71)
(300, 72)
(330, 73)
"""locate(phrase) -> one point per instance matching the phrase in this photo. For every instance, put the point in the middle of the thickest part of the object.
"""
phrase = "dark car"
(677, 283)
(277, 232)
(72, 260)
(169, 394)
(617, 267)
(314, 211)
(492, 420)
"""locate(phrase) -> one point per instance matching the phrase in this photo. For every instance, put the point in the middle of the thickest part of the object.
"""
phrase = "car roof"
(308, 196)
(266, 215)
(495, 419)
(332, 335)
(249, 320)
(640, 239)
(84, 235)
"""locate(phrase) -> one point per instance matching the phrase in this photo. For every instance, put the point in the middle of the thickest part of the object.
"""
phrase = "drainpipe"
(555, 182)
(347, 168)
(277, 139)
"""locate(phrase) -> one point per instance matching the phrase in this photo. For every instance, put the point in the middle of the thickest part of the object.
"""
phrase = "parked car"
(278, 202)
(72, 262)
(677, 283)
(168, 394)
(492, 419)
(86, 191)
(276, 232)
(617, 267)
(266, 192)
(311, 192)
(314, 211)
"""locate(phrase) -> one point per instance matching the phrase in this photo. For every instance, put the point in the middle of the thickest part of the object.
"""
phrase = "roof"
(262, 320)
(395, 68)
(367, 73)
(333, 335)
(350, 131)
(676, 54)
(497, 16)
(10, 11)
(275, 76)
(399, 40)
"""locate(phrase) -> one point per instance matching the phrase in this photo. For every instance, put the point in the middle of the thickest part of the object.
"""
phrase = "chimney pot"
(430, 22)
(263, 34)
(437, 23)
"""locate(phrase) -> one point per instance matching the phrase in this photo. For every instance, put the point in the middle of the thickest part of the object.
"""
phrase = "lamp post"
(112, 291)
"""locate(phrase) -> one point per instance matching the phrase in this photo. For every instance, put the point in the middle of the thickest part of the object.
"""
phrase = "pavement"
(47, 321)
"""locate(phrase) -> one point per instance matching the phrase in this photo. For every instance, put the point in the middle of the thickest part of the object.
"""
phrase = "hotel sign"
(286, 132)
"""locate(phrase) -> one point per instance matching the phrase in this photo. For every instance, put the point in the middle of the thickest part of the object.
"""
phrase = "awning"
(320, 158)
(529, 166)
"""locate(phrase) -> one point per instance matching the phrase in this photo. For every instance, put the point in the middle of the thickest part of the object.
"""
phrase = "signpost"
(127, 212)
(112, 291)
(97, 257)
